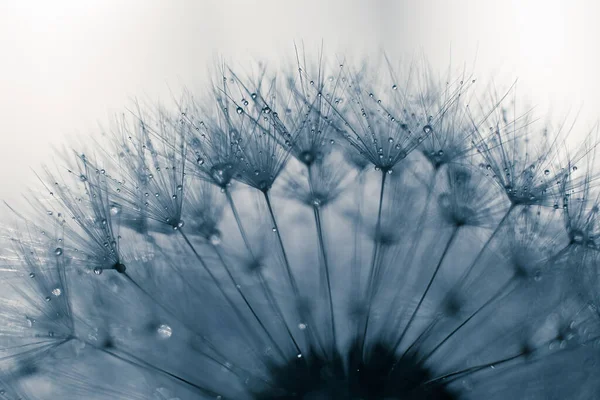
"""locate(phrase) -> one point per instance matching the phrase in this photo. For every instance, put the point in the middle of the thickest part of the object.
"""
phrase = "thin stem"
(239, 223)
(429, 284)
(327, 274)
(288, 269)
(243, 296)
(325, 260)
(356, 270)
(164, 308)
(275, 306)
(376, 245)
(263, 283)
(212, 277)
(474, 369)
(408, 259)
(137, 362)
(490, 301)
(485, 246)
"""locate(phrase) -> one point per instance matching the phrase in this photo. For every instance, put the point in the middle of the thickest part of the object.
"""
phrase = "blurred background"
(67, 66)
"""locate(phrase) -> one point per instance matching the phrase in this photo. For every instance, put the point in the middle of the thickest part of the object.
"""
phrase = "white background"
(67, 65)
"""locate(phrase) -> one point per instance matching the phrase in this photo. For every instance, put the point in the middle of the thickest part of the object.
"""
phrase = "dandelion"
(238, 247)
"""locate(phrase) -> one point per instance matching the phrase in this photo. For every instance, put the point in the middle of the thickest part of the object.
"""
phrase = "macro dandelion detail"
(311, 233)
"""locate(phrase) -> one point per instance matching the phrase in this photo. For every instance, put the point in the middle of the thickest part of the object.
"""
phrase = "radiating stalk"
(288, 270)
(433, 276)
(327, 274)
(264, 285)
(376, 246)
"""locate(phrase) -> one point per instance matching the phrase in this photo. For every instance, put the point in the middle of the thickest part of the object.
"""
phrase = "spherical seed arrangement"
(315, 234)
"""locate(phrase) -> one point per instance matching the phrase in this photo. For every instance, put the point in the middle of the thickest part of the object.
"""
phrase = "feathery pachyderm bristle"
(312, 233)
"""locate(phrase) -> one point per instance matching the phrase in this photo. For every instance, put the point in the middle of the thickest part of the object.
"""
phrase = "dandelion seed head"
(316, 232)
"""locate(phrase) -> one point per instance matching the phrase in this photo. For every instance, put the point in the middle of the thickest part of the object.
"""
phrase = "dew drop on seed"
(299, 355)
(394, 87)
(546, 172)
(115, 209)
(56, 292)
(164, 331)
(47, 299)
(31, 275)
(274, 229)
(200, 161)
(239, 110)
(97, 270)
(215, 239)
(58, 251)
(82, 178)
(302, 326)
(427, 129)
(253, 95)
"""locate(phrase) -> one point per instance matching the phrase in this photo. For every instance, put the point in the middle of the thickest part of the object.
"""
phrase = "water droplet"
(253, 95)
(31, 275)
(82, 178)
(299, 355)
(215, 238)
(97, 270)
(200, 161)
(164, 331)
(274, 229)
(115, 209)
(58, 251)
(546, 172)
(427, 129)
(239, 110)
(301, 326)
(574, 168)
(394, 87)
(56, 292)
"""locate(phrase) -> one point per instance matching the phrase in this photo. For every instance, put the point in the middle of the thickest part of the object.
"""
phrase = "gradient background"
(67, 65)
